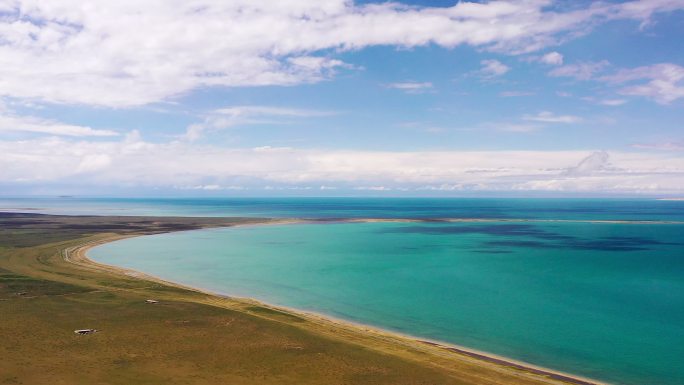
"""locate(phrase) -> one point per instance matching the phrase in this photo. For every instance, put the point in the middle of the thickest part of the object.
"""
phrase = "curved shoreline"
(78, 255)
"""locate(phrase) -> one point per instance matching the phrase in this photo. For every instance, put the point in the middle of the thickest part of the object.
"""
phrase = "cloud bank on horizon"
(335, 95)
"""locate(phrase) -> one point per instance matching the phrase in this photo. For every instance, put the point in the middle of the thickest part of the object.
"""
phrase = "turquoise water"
(600, 300)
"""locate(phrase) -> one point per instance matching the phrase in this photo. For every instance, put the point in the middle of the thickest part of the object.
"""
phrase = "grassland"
(48, 289)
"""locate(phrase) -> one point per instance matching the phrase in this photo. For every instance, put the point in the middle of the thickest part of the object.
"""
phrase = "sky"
(341, 97)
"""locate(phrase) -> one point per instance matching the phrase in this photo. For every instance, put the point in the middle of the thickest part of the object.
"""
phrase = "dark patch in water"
(617, 244)
(602, 244)
(540, 238)
(530, 244)
(491, 251)
(503, 230)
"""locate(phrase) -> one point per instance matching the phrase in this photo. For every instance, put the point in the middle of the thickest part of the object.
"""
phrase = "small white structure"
(151, 301)
(84, 331)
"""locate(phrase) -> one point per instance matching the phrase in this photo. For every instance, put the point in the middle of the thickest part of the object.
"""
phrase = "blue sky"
(337, 98)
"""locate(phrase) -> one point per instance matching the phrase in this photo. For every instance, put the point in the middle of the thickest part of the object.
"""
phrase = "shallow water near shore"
(601, 300)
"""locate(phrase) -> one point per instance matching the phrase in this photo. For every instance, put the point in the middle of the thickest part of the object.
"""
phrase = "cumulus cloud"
(598, 161)
(662, 82)
(552, 58)
(135, 162)
(129, 53)
(492, 68)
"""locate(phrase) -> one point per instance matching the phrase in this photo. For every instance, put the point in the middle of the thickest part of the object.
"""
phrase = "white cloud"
(644, 10)
(93, 162)
(605, 102)
(492, 68)
(210, 187)
(598, 161)
(552, 58)
(662, 82)
(517, 127)
(13, 123)
(134, 162)
(550, 117)
(257, 111)
(580, 71)
(412, 87)
(612, 102)
(663, 146)
(128, 53)
(373, 188)
(245, 115)
(512, 94)
(531, 123)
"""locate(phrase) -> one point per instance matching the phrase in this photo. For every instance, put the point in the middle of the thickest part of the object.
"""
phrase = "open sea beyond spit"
(597, 299)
